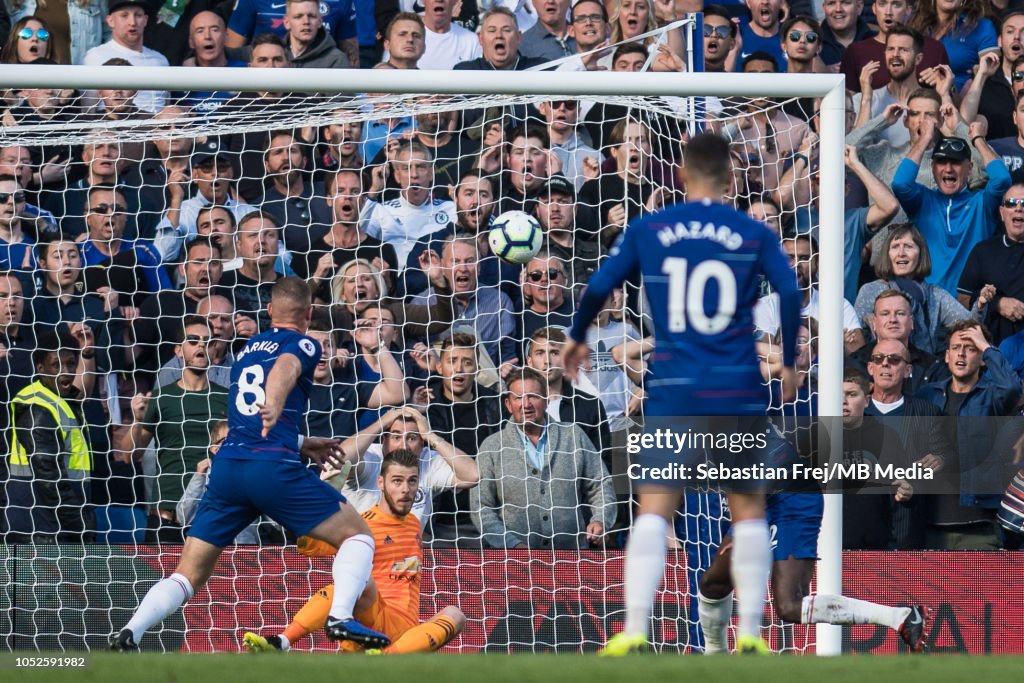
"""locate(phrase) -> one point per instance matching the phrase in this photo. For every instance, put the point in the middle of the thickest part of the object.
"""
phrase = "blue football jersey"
(250, 18)
(700, 263)
(248, 391)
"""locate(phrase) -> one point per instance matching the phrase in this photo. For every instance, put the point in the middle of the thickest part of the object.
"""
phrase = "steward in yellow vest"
(50, 460)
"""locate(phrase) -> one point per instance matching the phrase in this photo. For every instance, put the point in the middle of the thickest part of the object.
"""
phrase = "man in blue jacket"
(952, 218)
(967, 521)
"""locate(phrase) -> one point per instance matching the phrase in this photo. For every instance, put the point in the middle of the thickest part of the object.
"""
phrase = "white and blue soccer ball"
(515, 237)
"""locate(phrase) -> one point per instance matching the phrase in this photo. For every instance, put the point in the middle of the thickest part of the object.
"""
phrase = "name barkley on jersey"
(695, 230)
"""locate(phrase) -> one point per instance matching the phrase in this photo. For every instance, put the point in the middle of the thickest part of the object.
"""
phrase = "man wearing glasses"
(801, 41)
(16, 248)
(546, 295)
(179, 416)
(588, 27)
(998, 261)
(562, 117)
(952, 218)
(115, 263)
(719, 39)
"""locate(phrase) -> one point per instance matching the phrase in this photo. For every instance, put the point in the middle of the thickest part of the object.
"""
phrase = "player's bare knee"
(788, 608)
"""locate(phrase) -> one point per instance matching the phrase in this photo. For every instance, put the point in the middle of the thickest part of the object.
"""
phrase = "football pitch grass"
(524, 668)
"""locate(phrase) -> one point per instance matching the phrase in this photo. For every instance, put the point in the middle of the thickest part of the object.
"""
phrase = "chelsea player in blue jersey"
(700, 263)
(259, 471)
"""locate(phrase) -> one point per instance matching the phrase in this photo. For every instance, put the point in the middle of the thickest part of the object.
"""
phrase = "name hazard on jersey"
(406, 570)
(695, 230)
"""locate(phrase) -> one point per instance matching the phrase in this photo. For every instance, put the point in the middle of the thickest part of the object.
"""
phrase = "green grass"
(299, 668)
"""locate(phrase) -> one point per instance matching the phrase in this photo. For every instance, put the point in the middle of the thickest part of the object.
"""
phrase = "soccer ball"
(515, 237)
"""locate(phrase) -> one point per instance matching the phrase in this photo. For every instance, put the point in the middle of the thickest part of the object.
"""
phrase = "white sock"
(750, 566)
(839, 609)
(285, 643)
(351, 572)
(715, 616)
(160, 602)
(645, 565)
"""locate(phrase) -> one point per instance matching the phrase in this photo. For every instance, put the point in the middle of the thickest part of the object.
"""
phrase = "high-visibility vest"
(77, 458)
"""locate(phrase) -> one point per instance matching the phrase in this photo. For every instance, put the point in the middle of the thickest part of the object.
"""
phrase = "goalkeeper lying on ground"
(391, 601)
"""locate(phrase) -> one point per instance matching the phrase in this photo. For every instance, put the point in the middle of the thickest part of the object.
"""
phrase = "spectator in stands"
(883, 159)
(293, 200)
(437, 131)
(903, 53)
(16, 160)
(904, 265)
(160, 316)
(962, 27)
(802, 252)
(17, 342)
(867, 511)
(547, 297)
(207, 38)
(358, 284)
(556, 211)
(179, 416)
(564, 135)
(589, 27)
(443, 467)
(415, 212)
(104, 165)
(60, 301)
(51, 460)
(447, 43)
(404, 41)
(499, 41)
(378, 133)
(549, 39)
(621, 196)
(801, 41)
(1010, 148)
(17, 249)
(332, 404)
(966, 521)
(720, 44)
(529, 160)
(542, 483)
(567, 403)
(347, 238)
(309, 45)
(219, 315)
(996, 263)
(993, 89)
(251, 19)
(892, 319)
(761, 33)
(28, 40)
(766, 210)
(378, 367)
(484, 308)
(340, 147)
(924, 441)
(218, 225)
(163, 174)
(122, 261)
(213, 177)
(116, 104)
(952, 218)
(888, 13)
(127, 20)
(843, 26)
(257, 242)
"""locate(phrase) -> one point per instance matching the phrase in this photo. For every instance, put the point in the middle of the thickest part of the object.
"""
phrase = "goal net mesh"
(159, 213)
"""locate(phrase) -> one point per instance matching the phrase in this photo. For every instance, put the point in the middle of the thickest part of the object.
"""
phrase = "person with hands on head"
(1012, 148)
(952, 218)
(992, 92)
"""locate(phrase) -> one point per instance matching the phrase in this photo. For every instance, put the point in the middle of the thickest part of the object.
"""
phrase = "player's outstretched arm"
(280, 382)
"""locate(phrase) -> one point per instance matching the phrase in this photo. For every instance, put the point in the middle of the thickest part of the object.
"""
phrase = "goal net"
(164, 234)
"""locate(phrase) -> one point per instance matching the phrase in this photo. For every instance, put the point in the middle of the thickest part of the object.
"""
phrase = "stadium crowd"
(129, 272)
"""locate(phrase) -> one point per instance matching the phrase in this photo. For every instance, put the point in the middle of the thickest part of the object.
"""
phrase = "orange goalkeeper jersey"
(397, 559)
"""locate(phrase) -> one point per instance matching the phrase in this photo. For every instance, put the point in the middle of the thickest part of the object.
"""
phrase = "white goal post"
(830, 88)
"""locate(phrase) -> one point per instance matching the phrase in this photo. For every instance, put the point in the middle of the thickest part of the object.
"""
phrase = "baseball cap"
(558, 184)
(956, 149)
(211, 149)
(115, 5)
